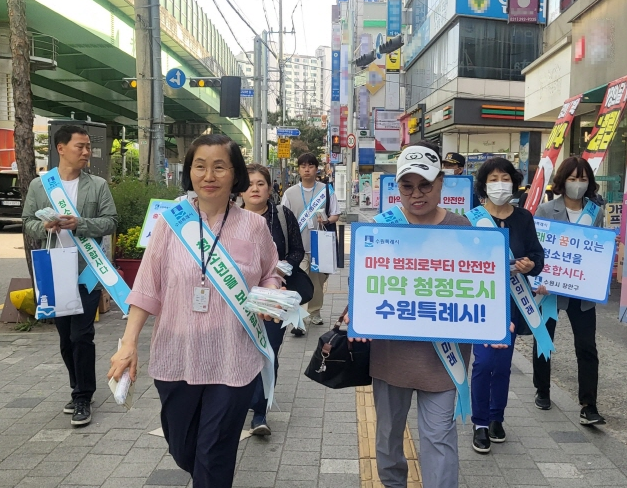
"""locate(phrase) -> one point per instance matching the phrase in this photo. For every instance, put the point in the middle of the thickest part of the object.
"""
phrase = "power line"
(233, 33)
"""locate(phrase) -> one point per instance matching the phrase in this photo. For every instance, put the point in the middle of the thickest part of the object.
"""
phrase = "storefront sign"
(497, 9)
(551, 151)
(607, 121)
(406, 287)
(523, 11)
(456, 193)
(578, 259)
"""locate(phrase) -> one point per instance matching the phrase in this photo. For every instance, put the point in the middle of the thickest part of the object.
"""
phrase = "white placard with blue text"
(155, 208)
(578, 259)
(456, 193)
(429, 283)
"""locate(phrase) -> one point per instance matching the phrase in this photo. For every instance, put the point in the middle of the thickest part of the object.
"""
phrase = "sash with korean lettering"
(98, 266)
(448, 352)
(227, 279)
(520, 291)
(315, 204)
(589, 214)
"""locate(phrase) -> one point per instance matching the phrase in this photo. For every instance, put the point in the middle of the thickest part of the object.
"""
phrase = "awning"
(595, 95)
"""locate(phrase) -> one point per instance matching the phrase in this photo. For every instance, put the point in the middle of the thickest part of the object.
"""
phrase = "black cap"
(454, 158)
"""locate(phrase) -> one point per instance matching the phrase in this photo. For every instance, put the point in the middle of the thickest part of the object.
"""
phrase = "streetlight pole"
(351, 104)
(264, 99)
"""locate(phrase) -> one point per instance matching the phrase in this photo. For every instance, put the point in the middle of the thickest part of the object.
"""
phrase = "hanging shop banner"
(365, 191)
(607, 122)
(155, 208)
(404, 287)
(551, 152)
(456, 193)
(523, 11)
(578, 259)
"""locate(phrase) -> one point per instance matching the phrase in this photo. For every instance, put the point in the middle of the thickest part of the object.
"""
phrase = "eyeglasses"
(408, 190)
(218, 171)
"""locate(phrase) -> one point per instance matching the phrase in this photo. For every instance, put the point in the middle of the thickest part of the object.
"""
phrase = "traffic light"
(129, 83)
(335, 144)
(230, 96)
(366, 59)
(391, 45)
(205, 82)
(123, 148)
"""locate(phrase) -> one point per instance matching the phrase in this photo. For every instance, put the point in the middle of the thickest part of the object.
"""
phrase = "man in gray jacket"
(91, 196)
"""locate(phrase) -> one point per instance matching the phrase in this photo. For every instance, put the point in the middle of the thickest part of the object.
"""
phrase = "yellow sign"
(376, 78)
(284, 148)
(393, 61)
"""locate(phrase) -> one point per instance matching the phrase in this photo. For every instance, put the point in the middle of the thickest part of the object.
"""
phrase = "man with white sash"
(399, 368)
(308, 201)
(575, 186)
(87, 214)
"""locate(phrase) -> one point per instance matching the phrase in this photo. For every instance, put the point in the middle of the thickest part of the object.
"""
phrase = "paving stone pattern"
(314, 440)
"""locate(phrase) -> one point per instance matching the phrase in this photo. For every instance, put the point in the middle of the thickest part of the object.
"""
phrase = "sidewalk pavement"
(314, 442)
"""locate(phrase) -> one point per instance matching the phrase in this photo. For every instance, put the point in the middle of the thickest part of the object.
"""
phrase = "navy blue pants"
(275, 332)
(202, 425)
(490, 382)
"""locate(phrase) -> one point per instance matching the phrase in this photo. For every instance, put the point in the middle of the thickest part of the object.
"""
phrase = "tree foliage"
(311, 138)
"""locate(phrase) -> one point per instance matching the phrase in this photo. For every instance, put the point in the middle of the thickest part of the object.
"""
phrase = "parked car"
(10, 199)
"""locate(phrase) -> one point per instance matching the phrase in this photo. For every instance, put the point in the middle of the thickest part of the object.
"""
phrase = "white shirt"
(71, 188)
(333, 206)
(573, 215)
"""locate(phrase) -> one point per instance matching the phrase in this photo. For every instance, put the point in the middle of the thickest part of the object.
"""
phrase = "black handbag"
(337, 363)
(299, 281)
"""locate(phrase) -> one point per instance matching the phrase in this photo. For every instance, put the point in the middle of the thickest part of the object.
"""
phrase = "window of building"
(495, 50)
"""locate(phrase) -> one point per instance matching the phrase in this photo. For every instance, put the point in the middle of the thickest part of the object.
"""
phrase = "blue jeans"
(489, 386)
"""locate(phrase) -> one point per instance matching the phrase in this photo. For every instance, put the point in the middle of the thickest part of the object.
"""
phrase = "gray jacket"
(556, 210)
(94, 203)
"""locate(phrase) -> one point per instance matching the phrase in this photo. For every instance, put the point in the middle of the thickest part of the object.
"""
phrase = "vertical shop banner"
(363, 118)
(394, 17)
(578, 259)
(429, 283)
(366, 154)
(336, 43)
(365, 191)
(376, 188)
(393, 60)
(343, 125)
(456, 193)
(607, 122)
(551, 152)
(523, 158)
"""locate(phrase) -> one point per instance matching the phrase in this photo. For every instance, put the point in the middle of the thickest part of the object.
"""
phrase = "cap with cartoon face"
(419, 160)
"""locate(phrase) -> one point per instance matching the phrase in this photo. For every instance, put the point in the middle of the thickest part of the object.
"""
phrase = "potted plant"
(128, 256)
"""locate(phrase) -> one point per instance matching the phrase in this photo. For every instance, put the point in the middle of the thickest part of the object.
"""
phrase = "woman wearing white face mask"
(491, 367)
(574, 181)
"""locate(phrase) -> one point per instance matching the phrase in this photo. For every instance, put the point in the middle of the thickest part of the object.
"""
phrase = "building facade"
(583, 53)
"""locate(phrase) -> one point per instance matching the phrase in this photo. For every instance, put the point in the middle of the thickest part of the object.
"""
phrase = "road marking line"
(366, 429)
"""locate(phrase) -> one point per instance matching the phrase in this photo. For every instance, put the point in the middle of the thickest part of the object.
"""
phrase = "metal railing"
(43, 51)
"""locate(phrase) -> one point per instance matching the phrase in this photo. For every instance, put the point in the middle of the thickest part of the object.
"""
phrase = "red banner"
(607, 121)
(343, 125)
(551, 151)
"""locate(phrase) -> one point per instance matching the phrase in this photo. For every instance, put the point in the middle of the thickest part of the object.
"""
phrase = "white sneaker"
(317, 320)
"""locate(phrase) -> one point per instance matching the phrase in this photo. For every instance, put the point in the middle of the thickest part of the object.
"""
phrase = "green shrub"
(132, 197)
(126, 244)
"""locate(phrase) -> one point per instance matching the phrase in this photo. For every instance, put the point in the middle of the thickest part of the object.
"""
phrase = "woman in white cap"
(399, 368)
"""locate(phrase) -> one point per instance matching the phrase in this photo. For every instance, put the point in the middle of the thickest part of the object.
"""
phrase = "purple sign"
(523, 11)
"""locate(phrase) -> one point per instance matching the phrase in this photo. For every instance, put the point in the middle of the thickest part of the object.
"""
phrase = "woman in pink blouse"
(204, 363)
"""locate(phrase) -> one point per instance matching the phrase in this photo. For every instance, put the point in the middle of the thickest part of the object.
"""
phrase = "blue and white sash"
(520, 291)
(589, 214)
(315, 204)
(231, 284)
(448, 352)
(98, 266)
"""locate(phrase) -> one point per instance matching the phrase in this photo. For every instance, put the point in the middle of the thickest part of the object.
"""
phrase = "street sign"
(350, 141)
(287, 132)
(284, 148)
(175, 78)
(247, 93)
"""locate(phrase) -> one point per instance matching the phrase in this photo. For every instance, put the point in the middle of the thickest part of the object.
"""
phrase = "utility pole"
(257, 96)
(158, 116)
(351, 104)
(282, 162)
(264, 99)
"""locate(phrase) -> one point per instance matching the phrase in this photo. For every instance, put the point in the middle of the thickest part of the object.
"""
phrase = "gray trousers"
(439, 460)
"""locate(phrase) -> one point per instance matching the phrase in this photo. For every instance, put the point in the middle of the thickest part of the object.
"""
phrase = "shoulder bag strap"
(281, 214)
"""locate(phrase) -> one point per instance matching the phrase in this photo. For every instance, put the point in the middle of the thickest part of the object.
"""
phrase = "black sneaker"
(259, 426)
(590, 416)
(481, 440)
(297, 332)
(496, 432)
(82, 413)
(69, 407)
(543, 402)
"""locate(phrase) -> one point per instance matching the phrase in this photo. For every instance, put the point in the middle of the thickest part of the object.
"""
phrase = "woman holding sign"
(206, 351)
(574, 181)
(492, 365)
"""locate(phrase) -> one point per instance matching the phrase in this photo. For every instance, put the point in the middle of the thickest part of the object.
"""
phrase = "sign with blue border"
(429, 283)
(578, 259)
(493, 9)
(155, 208)
(247, 93)
(456, 193)
(175, 78)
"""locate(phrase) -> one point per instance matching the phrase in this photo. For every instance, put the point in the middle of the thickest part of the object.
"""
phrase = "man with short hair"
(298, 198)
(92, 199)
